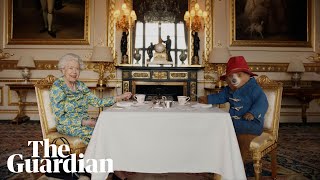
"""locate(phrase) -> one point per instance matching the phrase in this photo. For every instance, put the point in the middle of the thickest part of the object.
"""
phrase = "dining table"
(149, 137)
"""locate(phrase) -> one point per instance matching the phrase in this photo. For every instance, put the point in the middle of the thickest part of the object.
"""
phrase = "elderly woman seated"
(70, 99)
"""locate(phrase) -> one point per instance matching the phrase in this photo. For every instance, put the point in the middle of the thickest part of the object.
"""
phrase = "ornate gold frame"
(51, 41)
(235, 42)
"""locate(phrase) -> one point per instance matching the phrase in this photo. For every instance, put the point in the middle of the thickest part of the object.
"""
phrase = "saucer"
(183, 104)
(137, 103)
(157, 107)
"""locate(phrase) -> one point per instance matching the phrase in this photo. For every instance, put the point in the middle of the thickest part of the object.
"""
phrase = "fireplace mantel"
(161, 76)
(187, 68)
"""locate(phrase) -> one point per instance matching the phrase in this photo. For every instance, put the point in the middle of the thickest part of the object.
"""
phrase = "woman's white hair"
(70, 57)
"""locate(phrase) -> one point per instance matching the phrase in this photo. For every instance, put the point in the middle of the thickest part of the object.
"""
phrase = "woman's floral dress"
(71, 107)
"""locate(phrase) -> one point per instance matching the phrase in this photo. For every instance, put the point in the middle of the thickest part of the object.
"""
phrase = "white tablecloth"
(180, 139)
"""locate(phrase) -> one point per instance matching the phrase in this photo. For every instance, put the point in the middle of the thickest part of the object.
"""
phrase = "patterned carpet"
(298, 152)
(299, 149)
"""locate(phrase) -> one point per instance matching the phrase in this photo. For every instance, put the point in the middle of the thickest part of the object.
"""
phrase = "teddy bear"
(248, 102)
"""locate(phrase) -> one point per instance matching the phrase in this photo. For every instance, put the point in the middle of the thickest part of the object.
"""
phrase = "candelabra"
(194, 17)
(125, 21)
(193, 20)
(125, 18)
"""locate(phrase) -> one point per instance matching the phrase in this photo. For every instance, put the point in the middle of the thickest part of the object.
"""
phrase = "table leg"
(21, 116)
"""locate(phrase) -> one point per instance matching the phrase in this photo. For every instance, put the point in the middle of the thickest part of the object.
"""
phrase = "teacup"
(168, 104)
(140, 98)
(182, 100)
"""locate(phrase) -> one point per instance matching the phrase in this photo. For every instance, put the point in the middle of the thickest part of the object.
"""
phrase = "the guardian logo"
(50, 161)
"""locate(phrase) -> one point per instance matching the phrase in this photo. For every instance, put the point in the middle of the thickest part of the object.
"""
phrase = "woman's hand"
(124, 96)
(90, 123)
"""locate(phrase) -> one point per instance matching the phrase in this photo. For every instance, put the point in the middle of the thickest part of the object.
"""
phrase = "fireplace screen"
(155, 90)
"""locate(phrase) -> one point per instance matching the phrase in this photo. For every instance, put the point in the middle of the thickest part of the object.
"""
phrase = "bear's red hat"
(237, 64)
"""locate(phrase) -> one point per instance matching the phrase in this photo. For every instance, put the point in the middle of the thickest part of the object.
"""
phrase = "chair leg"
(257, 165)
(274, 163)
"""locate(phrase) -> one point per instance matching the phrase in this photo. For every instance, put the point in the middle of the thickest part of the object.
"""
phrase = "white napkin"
(199, 105)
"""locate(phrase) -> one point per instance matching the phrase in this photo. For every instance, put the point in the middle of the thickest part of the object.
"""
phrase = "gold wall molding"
(1, 95)
(53, 65)
(209, 30)
(110, 27)
(220, 68)
(35, 80)
(8, 64)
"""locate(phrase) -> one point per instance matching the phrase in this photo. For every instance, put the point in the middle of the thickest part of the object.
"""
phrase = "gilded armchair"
(47, 118)
(267, 141)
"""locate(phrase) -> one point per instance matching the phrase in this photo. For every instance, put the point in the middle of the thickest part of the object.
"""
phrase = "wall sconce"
(219, 55)
(297, 68)
(26, 62)
(125, 21)
(4, 55)
(101, 55)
